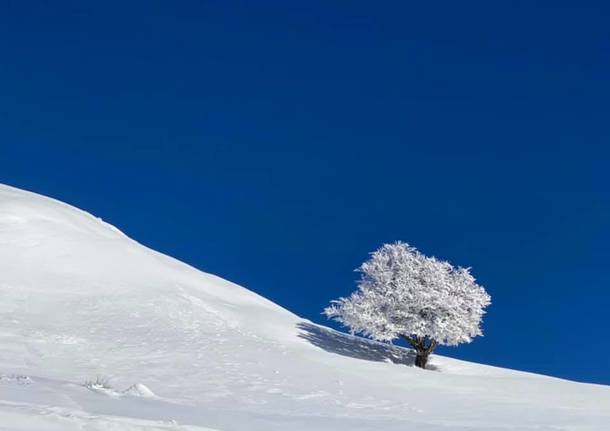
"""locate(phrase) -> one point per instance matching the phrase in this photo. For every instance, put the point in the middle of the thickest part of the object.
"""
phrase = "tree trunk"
(423, 348)
(422, 358)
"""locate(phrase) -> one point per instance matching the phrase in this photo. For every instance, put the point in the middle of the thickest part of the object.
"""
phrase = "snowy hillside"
(185, 350)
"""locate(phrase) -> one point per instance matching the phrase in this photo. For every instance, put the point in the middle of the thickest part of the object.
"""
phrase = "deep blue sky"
(277, 143)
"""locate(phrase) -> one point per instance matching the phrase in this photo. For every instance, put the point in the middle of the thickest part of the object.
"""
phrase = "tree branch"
(432, 346)
(414, 342)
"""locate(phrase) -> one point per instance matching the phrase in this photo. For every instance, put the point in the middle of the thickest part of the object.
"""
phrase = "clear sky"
(277, 143)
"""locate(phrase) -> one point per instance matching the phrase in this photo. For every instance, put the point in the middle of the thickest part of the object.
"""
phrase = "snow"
(179, 349)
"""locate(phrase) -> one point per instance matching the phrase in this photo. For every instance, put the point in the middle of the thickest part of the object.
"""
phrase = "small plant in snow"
(405, 294)
(101, 383)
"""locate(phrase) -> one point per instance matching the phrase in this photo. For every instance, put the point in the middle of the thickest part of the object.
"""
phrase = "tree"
(405, 294)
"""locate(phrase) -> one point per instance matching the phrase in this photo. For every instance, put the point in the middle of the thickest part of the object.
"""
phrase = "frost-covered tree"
(405, 294)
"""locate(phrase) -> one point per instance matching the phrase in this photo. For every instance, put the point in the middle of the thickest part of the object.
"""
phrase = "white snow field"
(98, 332)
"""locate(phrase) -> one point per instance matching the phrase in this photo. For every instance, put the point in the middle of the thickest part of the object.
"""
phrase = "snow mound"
(17, 379)
(78, 299)
(139, 390)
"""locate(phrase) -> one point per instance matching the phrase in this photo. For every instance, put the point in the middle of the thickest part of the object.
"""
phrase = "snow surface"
(98, 332)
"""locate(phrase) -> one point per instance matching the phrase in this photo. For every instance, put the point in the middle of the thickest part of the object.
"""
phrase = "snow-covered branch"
(403, 293)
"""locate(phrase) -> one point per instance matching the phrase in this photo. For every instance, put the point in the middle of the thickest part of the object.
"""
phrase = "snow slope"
(185, 350)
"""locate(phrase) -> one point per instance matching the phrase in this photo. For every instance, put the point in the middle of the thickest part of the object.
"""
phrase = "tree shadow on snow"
(355, 347)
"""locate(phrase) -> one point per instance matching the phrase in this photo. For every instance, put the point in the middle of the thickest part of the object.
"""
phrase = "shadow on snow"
(355, 347)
